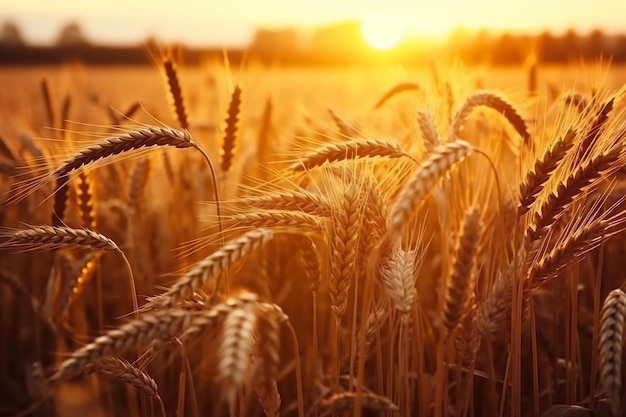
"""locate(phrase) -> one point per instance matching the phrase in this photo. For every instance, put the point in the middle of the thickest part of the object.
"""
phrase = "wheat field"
(443, 241)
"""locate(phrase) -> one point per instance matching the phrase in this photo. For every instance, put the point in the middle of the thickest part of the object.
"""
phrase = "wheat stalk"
(18, 286)
(394, 91)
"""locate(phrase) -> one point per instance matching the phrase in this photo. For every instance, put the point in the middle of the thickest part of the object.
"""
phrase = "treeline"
(546, 47)
(338, 44)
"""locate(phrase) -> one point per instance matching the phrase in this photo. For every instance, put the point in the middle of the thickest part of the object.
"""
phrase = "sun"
(383, 31)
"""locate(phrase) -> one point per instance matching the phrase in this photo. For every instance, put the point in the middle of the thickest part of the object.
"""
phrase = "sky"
(233, 22)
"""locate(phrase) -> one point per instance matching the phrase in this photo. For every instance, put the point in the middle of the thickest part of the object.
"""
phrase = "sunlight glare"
(383, 31)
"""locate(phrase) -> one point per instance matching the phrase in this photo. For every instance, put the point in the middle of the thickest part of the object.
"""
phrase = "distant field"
(350, 91)
(439, 241)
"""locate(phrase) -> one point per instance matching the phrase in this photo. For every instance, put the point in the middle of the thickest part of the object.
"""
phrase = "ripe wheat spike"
(610, 348)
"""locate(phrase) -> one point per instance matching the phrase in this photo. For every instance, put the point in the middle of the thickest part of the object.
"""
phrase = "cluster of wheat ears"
(471, 267)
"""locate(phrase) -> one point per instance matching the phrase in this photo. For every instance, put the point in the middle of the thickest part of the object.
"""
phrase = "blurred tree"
(595, 44)
(339, 42)
(549, 48)
(11, 36)
(506, 50)
(571, 45)
(618, 48)
(71, 35)
(275, 42)
(481, 47)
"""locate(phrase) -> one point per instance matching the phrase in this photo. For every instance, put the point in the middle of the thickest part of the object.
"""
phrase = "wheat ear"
(122, 369)
(576, 99)
(175, 92)
(54, 237)
(144, 138)
(398, 276)
(568, 252)
(304, 201)
(345, 129)
(373, 325)
(343, 250)
(65, 114)
(594, 131)
(85, 201)
(266, 351)
(212, 267)
(47, 99)
(277, 219)
(495, 101)
(353, 149)
(159, 325)
(494, 309)
(610, 347)
(73, 287)
(138, 181)
(459, 286)
(209, 318)
(428, 129)
(562, 198)
(307, 254)
(60, 199)
(438, 163)
(230, 132)
(235, 348)
(543, 168)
